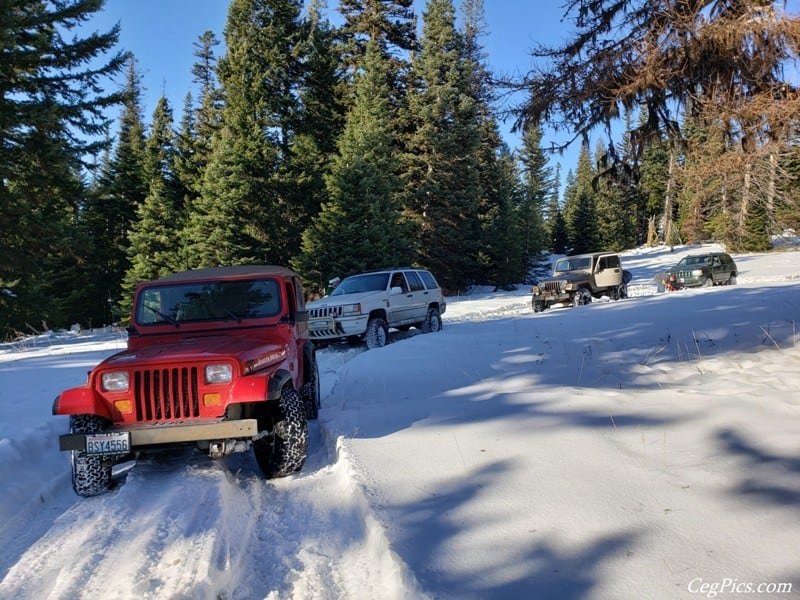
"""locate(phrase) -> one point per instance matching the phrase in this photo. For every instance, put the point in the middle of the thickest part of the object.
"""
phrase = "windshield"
(208, 301)
(373, 282)
(691, 261)
(573, 264)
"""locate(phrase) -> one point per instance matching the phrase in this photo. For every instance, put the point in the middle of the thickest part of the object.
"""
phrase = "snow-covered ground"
(645, 448)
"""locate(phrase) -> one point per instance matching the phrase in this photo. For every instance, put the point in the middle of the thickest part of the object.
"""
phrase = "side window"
(609, 262)
(414, 281)
(430, 281)
(399, 281)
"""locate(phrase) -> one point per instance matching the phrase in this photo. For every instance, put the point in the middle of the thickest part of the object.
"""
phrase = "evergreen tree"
(154, 246)
(556, 225)
(111, 208)
(248, 175)
(359, 227)
(537, 188)
(615, 206)
(578, 195)
(442, 173)
(51, 116)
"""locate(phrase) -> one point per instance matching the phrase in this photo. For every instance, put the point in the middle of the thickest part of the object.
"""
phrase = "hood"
(200, 349)
(571, 276)
(343, 299)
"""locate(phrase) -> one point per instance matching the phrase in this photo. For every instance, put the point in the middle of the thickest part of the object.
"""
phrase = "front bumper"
(171, 433)
(328, 328)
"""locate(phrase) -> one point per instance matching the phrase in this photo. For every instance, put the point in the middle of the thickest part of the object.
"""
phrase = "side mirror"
(301, 316)
(396, 290)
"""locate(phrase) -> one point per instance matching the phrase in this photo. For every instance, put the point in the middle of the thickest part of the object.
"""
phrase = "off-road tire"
(283, 451)
(377, 334)
(309, 392)
(432, 322)
(91, 475)
(538, 306)
(732, 279)
(581, 297)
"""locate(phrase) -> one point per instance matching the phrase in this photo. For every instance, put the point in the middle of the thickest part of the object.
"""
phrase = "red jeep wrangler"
(218, 358)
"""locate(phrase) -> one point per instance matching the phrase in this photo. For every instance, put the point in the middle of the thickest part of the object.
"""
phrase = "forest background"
(377, 141)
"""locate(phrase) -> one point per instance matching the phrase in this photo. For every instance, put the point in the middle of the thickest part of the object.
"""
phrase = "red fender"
(81, 401)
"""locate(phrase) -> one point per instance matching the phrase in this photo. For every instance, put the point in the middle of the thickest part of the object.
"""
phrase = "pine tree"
(537, 188)
(111, 208)
(442, 172)
(359, 227)
(51, 120)
(248, 176)
(154, 245)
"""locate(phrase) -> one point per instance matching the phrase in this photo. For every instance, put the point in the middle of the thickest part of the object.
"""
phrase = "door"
(419, 296)
(401, 308)
(608, 271)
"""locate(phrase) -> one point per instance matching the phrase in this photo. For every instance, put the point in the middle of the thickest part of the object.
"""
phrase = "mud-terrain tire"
(91, 475)
(284, 450)
(309, 392)
(432, 322)
(377, 334)
(538, 306)
(581, 297)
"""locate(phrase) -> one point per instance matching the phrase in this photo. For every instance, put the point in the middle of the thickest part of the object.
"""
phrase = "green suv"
(707, 269)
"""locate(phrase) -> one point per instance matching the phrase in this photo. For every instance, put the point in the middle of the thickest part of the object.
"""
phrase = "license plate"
(118, 442)
(321, 324)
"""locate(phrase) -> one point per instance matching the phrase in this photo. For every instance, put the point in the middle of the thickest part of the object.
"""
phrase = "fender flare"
(81, 401)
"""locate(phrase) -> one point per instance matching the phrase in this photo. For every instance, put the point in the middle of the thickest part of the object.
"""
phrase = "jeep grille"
(166, 394)
(553, 287)
(326, 311)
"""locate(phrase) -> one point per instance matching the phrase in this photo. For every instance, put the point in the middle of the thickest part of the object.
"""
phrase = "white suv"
(367, 305)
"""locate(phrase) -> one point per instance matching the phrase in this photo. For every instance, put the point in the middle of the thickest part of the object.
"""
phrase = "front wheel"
(283, 451)
(377, 334)
(432, 322)
(91, 475)
(310, 392)
(581, 297)
(538, 306)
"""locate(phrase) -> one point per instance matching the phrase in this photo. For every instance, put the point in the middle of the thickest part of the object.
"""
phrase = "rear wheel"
(432, 322)
(283, 451)
(732, 279)
(91, 475)
(377, 334)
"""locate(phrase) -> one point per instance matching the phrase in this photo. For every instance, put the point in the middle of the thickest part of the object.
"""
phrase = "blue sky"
(161, 34)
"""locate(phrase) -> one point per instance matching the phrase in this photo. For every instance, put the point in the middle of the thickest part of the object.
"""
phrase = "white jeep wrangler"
(365, 306)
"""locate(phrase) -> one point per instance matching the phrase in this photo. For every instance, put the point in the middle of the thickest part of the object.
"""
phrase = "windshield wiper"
(167, 318)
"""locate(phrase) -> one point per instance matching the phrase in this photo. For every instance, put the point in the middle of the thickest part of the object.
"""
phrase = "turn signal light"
(123, 406)
(212, 399)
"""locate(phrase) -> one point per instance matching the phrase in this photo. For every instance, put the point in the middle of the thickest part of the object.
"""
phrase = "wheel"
(433, 321)
(732, 279)
(310, 392)
(538, 306)
(91, 475)
(283, 451)
(581, 297)
(613, 293)
(623, 291)
(377, 334)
